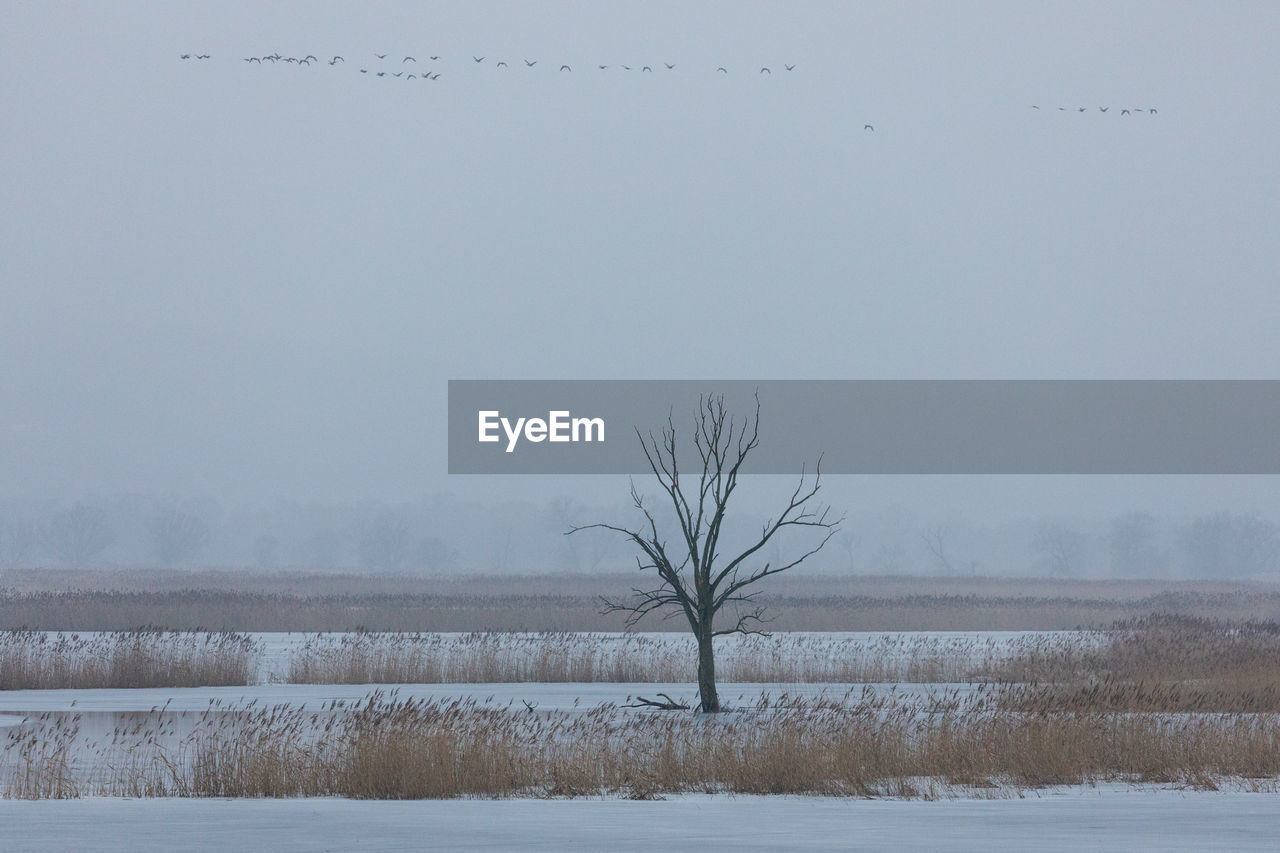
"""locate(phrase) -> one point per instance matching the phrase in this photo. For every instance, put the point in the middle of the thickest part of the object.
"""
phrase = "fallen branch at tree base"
(668, 705)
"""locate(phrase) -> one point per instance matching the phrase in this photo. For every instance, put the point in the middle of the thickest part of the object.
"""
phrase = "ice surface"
(1060, 820)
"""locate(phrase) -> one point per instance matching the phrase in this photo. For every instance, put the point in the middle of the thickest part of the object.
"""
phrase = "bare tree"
(435, 554)
(176, 536)
(581, 553)
(935, 540)
(848, 542)
(692, 578)
(383, 541)
(1131, 539)
(1061, 548)
(1228, 544)
(18, 540)
(266, 552)
(79, 534)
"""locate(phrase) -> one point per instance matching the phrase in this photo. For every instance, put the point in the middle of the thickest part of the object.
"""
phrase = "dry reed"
(34, 660)
(872, 743)
(389, 658)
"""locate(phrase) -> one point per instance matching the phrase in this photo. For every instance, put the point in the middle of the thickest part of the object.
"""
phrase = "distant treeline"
(443, 535)
(233, 601)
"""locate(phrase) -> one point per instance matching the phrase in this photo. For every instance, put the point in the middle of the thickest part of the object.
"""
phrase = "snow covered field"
(1137, 816)
(1105, 818)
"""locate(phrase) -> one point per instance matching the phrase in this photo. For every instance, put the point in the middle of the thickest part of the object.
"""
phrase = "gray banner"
(878, 426)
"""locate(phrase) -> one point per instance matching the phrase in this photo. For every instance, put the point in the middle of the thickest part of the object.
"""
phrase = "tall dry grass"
(34, 660)
(1162, 662)
(478, 657)
(868, 744)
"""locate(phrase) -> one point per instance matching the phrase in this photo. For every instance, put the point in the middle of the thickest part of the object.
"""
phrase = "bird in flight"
(309, 56)
(433, 58)
(412, 77)
(435, 76)
(408, 59)
(364, 70)
(789, 67)
(1152, 111)
(1124, 112)
(765, 71)
(602, 67)
(530, 63)
(1103, 109)
(1080, 109)
(253, 59)
(868, 127)
(722, 70)
(647, 68)
(382, 74)
(478, 58)
(502, 64)
(669, 65)
(186, 56)
(398, 74)
(381, 55)
(337, 59)
(1034, 107)
(202, 56)
(626, 68)
(565, 68)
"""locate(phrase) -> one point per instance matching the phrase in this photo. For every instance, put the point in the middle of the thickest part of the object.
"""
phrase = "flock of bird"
(417, 71)
(400, 68)
(1124, 111)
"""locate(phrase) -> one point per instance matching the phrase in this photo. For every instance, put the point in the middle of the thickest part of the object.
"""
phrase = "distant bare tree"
(581, 553)
(266, 552)
(79, 534)
(383, 542)
(1131, 539)
(693, 578)
(18, 541)
(1060, 547)
(323, 547)
(435, 554)
(887, 559)
(502, 553)
(1231, 545)
(176, 536)
(848, 542)
(935, 541)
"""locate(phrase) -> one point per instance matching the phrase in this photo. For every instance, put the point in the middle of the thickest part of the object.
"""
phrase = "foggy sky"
(254, 282)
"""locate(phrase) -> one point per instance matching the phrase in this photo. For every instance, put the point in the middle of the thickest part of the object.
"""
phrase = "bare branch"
(669, 705)
(690, 580)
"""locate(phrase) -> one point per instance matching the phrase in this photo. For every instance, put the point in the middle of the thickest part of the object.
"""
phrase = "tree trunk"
(707, 673)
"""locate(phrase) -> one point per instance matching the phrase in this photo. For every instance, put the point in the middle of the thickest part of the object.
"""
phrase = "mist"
(231, 295)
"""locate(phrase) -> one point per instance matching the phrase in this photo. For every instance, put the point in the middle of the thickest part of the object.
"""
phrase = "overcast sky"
(253, 280)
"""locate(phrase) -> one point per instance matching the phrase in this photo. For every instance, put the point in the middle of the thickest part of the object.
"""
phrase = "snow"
(1108, 818)
(561, 696)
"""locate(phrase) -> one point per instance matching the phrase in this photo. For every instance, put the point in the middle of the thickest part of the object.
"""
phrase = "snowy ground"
(1068, 819)
(564, 696)
(1059, 820)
